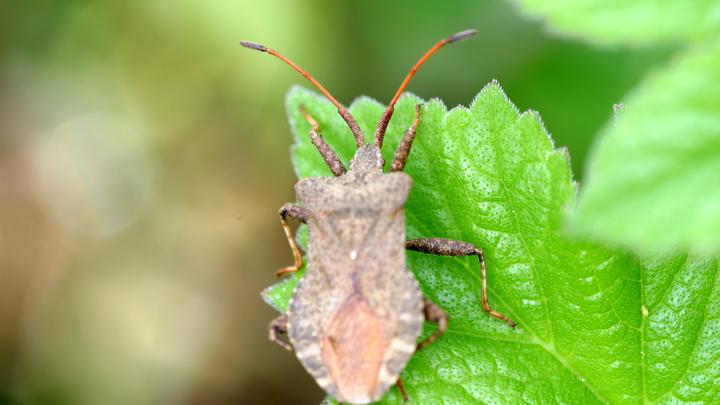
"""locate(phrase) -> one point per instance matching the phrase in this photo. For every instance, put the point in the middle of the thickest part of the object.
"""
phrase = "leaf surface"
(595, 326)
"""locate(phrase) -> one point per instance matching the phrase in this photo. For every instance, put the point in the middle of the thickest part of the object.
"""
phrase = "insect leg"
(329, 155)
(404, 394)
(299, 214)
(403, 149)
(277, 328)
(449, 247)
(434, 314)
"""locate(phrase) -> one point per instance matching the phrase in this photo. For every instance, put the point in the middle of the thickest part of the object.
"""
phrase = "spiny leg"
(331, 159)
(403, 150)
(434, 314)
(299, 214)
(449, 247)
(278, 328)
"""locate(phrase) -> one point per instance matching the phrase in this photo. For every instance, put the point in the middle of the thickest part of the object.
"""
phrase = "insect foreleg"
(449, 247)
(277, 328)
(299, 214)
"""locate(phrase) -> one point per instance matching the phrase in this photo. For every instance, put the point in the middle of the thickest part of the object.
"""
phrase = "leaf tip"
(266, 295)
(565, 153)
(535, 116)
(493, 87)
(493, 92)
(618, 109)
(536, 119)
(436, 102)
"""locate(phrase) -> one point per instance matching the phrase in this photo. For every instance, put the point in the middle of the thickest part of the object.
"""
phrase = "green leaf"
(654, 178)
(491, 176)
(635, 22)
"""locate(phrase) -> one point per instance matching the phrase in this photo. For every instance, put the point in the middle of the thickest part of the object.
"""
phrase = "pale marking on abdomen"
(402, 346)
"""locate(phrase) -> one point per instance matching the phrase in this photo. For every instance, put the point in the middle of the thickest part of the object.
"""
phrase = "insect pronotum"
(354, 319)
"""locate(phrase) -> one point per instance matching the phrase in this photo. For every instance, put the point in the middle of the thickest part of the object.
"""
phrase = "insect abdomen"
(353, 350)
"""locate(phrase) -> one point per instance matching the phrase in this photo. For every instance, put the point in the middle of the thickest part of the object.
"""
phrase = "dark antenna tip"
(253, 45)
(461, 35)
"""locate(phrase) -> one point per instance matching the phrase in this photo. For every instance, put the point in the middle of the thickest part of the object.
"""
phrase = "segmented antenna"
(385, 119)
(345, 114)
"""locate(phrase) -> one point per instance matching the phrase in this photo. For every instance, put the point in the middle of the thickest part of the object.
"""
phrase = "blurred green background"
(144, 155)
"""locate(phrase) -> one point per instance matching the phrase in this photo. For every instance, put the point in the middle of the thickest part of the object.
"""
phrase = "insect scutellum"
(366, 155)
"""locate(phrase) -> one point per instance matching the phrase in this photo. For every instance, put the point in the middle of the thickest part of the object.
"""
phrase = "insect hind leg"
(329, 156)
(436, 315)
(400, 386)
(449, 247)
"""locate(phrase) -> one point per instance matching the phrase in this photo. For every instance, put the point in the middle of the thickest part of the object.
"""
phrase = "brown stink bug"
(354, 319)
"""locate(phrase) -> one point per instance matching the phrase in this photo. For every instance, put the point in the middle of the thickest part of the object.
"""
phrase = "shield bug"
(354, 319)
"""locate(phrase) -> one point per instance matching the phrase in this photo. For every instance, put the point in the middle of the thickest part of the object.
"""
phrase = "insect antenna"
(385, 119)
(345, 114)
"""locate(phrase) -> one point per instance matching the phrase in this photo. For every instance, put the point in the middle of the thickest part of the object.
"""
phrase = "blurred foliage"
(143, 155)
(638, 22)
(652, 178)
(654, 183)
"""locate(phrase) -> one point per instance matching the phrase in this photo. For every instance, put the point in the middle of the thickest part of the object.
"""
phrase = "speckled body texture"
(354, 318)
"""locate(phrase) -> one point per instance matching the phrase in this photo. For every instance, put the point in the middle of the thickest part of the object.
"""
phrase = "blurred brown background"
(144, 155)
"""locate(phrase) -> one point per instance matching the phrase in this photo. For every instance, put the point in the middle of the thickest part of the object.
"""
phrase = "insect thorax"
(364, 187)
